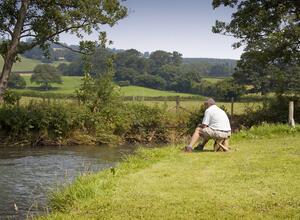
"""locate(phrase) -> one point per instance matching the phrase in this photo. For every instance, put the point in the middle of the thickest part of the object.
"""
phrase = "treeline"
(159, 70)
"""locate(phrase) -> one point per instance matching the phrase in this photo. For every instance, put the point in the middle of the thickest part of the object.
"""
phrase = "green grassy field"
(258, 179)
(142, 91)
(213, 79)
(25, 64)
(238, 107)
(71, 83)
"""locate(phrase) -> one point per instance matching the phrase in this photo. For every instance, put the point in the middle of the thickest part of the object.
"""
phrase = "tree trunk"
(6, 70)
(12, 50)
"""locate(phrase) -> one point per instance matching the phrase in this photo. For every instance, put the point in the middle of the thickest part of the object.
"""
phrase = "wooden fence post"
(231, 110)
(291, 114)
(177, 103)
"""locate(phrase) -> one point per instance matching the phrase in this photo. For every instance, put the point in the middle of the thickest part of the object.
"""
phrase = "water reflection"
(27, 175)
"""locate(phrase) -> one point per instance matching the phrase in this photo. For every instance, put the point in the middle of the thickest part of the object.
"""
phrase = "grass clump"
(259, 179)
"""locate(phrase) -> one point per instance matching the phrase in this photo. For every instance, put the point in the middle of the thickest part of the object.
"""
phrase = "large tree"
(270, 32)
(44, 20)
(44, 75)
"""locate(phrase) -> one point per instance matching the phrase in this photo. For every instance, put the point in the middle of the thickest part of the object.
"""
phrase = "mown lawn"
(258, 179)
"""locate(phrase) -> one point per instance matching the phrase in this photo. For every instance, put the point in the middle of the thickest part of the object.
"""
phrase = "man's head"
(209, 102)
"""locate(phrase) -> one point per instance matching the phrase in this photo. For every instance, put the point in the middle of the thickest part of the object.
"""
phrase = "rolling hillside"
(71, 83)
(25, 64)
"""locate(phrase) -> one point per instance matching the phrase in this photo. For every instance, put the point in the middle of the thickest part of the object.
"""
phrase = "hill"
(210, 61)
(26, 64)
(71, 83)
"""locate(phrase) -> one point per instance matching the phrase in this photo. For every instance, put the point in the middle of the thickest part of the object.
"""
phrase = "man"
(215, 125)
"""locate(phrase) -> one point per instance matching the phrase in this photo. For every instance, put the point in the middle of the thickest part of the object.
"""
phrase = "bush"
(11, 98)
(16, 81)
(272, 111)
(36, 120)
(147, 124)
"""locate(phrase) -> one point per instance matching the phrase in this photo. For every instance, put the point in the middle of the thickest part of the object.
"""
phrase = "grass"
(25, 64)
(142, 91)
(238, 108)
(259, 179)
(71, 83)
(213, 79)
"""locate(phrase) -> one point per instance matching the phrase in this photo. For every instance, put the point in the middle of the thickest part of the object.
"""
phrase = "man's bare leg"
(195, 137)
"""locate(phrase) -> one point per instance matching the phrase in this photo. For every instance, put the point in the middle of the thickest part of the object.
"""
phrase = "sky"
(170, 25)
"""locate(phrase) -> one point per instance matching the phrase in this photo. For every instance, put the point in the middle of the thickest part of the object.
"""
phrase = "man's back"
(216, 118)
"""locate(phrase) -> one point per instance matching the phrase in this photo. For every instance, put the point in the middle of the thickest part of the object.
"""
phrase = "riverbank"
(259, 178)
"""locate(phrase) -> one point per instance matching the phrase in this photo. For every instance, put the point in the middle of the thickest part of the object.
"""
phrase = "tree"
(270, 32)
(263, 25)
(44, 75)
(43, 21)
(16, 81)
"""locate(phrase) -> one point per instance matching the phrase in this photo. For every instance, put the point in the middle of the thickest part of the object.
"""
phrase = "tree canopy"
(43, 21)
(45, 75)
(270, 32)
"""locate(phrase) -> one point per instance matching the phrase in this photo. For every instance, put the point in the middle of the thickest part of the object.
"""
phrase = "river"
(28, 175)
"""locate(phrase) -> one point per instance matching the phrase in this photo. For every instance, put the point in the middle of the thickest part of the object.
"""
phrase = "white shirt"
(216, 118)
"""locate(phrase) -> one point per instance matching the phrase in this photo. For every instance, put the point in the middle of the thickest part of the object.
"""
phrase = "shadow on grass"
(43, 89)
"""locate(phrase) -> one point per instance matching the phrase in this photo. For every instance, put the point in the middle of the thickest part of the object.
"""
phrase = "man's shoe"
(188, 149)
(199, 148)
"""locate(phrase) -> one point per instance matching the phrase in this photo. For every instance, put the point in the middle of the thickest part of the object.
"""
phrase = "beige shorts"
(209, 133)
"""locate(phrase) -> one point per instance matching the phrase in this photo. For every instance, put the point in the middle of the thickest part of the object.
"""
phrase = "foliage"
(254, 70)
(44, 21)
(36, 120)
(270, 31)
(44, 75)
(16, 81)
(227, 89)
(272, 111)
(162, 70)
(147, 124)
(271, 27)
(11, 98)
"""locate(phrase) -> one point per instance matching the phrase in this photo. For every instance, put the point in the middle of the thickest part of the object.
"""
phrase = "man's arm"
(202, 125)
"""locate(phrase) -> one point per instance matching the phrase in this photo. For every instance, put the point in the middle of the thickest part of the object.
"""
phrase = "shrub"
(36, 120)
(147, 124)
(16, 81)
(11, 98)
(272, 111)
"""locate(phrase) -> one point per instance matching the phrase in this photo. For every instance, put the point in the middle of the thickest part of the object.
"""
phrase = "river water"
(28, 175)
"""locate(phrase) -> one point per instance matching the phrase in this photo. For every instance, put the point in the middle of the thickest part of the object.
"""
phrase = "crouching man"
(215, 125)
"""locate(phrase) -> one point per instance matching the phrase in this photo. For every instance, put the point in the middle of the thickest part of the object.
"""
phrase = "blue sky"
(170, 25)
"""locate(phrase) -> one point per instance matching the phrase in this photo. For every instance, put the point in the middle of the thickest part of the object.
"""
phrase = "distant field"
(71, 83)
(25, 64)
(213, 79)
(142, 91)
(238, 107)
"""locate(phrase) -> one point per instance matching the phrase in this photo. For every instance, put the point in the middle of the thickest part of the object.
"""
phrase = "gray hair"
(210, 101)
